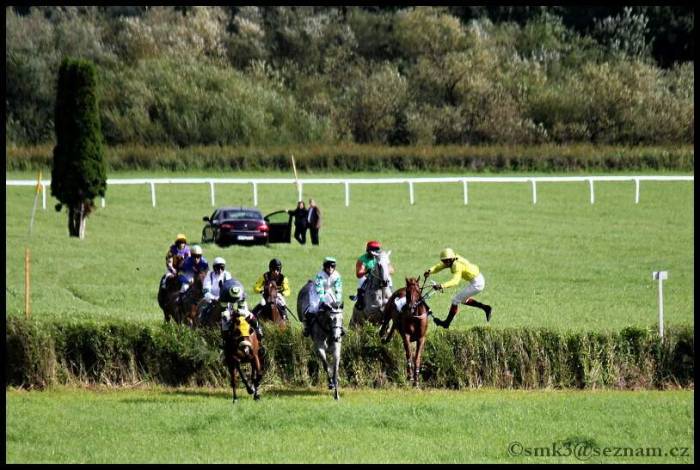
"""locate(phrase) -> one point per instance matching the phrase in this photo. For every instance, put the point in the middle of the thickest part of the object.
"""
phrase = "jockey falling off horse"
(460, 269)
(211, 287)
(366, 263)
(327, 290)
(274, 274)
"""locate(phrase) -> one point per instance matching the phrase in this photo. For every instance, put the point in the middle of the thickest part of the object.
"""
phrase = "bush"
(41, 354)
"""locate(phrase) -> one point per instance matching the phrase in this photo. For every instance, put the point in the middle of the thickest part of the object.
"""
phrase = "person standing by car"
(300, 223)
(314, 220)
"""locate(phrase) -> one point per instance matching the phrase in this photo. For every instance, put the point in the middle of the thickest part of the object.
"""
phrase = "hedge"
(44, 353)
(371, 158)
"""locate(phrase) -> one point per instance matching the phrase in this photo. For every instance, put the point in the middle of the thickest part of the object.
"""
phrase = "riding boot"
(450, 316)
(307, 325)
(360, 299)
(486, 308)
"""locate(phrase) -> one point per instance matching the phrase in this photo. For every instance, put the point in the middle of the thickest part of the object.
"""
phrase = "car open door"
(280, 224)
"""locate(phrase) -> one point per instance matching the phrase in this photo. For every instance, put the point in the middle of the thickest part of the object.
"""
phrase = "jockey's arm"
(259, 285)
(437, 268)
(453, 281)
(286, 291)
(360, 269)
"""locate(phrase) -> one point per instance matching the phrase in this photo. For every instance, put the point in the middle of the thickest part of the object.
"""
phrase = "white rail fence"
(346, 182)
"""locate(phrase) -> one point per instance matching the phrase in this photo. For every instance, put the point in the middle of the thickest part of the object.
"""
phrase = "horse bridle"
(413, 307)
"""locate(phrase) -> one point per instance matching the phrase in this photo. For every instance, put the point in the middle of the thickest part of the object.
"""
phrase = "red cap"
(373, 245)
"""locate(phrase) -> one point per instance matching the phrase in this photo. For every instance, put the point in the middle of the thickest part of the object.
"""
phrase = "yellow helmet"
(179, 237)
(447, 253)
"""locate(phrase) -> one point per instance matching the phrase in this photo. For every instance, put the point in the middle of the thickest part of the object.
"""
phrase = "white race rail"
(346, 182)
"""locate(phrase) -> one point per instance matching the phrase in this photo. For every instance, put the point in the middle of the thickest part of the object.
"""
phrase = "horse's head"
(270, 291)
(382, 272)
(413, 294)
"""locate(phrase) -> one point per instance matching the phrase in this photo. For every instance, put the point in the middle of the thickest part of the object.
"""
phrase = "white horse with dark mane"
(376, 293)
(326, 330)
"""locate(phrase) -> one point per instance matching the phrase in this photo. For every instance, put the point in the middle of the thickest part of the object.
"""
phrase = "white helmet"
(219, 260)
(196, 250)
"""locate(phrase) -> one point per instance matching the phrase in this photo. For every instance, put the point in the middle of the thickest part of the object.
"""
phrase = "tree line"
(257, 76)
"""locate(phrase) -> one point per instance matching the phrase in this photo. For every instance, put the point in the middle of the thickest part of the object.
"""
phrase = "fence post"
(636, 190)
(153, 193)
(466, 195)
(534, 191)
(27, 289)
(410, 191)
(661, 276)
(347, 194)
(102, 203)
(255, 194)
(211, 189)
(43, 196)
(590, 183)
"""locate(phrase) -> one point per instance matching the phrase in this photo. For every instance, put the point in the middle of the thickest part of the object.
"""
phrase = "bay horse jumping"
(412, 322)
(241, 348)
(271, 310)
(168, 291)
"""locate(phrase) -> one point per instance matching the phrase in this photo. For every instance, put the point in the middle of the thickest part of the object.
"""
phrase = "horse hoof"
(256, 397)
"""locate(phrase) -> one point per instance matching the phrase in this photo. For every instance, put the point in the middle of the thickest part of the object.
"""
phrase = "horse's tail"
(303, 299)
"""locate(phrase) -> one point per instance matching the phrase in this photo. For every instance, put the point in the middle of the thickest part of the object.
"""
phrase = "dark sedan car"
(245, 225)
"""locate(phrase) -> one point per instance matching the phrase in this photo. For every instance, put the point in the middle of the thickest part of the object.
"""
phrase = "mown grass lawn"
(562, 263)
(69, 425)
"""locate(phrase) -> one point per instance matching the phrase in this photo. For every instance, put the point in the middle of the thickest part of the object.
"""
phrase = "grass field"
(562, 263)
(66, 425)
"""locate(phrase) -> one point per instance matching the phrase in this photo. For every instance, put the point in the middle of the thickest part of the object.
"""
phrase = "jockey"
(460, 268)
(274, 273)
(236, 307)
(328, 290)
(192, 266)
(211, 287)
(365, 263)
(233, 299)
(180, 247)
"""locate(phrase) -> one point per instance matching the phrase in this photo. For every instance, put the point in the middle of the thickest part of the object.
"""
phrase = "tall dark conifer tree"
(79, 172)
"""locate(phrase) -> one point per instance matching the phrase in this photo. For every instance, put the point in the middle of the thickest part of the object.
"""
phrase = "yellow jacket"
(460, 268)
(284, 289)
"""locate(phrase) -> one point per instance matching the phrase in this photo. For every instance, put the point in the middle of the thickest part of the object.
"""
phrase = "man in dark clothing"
(300, 223)
(314, 221)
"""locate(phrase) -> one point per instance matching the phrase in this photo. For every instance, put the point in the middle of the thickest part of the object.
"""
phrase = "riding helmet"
(180, 238)
(196, 250)
(275, 264)
(219, 261)
(447, 253)
(329, 261)
(374, 245)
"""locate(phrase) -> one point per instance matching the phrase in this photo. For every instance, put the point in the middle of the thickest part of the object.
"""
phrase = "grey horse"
(326, 330)
(377, 293)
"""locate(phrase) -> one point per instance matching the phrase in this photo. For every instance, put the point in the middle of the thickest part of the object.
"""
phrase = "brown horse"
(191, 299)
(167, 296)
(412, 322)
(271, 311)
(239, 349)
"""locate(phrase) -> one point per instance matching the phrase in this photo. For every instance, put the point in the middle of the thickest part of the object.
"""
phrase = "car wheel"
(207, 235)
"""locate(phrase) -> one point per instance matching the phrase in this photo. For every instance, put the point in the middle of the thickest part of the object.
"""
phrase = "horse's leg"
(336, 367)
(232, 370)
(322, 354)
(420, 344)
(257, 375)
(248, 388)
(407, 349)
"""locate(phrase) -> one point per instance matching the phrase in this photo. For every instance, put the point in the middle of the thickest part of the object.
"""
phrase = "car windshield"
(238, 215)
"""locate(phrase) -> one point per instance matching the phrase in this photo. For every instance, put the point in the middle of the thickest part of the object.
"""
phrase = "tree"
(79, 173)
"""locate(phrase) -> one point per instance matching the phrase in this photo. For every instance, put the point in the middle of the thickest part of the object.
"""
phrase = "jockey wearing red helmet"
(365, 263)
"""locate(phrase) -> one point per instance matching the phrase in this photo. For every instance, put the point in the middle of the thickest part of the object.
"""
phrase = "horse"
(271, 311)
(239, 349)
(168, 292)
(191, 299)
(412, 322)
(215, 308)
(326, 330)
(376, 293)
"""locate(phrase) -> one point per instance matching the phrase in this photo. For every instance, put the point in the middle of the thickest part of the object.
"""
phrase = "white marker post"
(661, 276)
